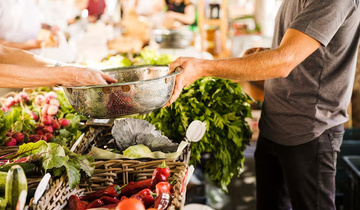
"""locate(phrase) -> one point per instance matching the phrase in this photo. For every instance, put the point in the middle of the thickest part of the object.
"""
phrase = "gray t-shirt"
(316, 94)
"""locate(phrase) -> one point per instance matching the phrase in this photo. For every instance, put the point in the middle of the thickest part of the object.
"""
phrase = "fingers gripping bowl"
(140, 89)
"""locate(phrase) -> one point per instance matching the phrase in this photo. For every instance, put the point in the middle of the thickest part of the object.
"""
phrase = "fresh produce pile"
(39, 114)
(154, 193)
(145, 57)
(223, 106)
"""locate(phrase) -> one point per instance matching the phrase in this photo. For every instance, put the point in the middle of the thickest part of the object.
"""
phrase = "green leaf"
(18, 126)
(73, 172)
(54, 162)
(29, 148)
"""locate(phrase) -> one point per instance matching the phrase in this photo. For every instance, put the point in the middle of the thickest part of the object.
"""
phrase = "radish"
(5, 109)
(54, 102)
(44, 109)
(24, 96)
(64, 122)
(17, 98)
(49, 96)
(52, 110)
(48, 129)
(19, 137)
(20, 96)
(10, 101)
(40, 132)
(34, 138)
(39, 100)
(48, 136)
(55, 125)
(34, 116)
(40, 127)
(11, 142)
(47, 120)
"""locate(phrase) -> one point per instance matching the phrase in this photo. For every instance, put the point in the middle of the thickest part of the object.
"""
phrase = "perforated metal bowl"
(172, 38)
(140, 89)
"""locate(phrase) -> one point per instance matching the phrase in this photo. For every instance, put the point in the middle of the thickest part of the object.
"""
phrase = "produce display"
(41, 125)
(154, 193)
(40, 114)
(220, 103)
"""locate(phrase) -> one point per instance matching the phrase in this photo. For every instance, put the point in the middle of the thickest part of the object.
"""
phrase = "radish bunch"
(44, 110)
(11, 101)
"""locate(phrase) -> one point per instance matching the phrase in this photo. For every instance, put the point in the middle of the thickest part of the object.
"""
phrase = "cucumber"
(2, 203)
(2, 182)
(15, 183)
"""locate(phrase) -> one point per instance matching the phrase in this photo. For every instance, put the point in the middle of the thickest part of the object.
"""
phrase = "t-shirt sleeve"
(321, 19)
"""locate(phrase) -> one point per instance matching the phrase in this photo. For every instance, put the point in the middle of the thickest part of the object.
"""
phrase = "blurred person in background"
(179, 13)
(20, 26)
(96, 9)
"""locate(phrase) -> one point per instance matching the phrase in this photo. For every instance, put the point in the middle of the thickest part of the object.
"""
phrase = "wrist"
(64, 75)
(204, 68)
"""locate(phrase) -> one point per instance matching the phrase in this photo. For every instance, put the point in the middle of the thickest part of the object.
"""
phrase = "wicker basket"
(113, 172)
(123, 171)
(56, 196)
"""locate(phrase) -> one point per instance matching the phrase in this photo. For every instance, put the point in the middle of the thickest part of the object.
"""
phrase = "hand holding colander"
(140, 89)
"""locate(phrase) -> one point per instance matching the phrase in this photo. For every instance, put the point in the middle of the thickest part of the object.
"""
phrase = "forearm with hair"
(10, 55)
(14, 76)
(259, 66)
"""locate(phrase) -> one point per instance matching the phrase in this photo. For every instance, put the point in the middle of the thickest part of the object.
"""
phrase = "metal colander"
(140, 89)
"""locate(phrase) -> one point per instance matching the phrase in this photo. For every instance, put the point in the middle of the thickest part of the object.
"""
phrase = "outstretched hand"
(88, 76)
(191, 71)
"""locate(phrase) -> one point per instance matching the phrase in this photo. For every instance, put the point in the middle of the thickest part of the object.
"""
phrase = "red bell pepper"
(160, 174)
(75, 203)
(111, 191)
(95, 203)
(145, 196)
(109, 200)
(163, 195)
(135, 187)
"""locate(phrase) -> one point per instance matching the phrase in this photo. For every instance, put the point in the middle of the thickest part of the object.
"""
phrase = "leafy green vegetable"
(57, 159)
(223, 106)
(151, 57)
(136, 151)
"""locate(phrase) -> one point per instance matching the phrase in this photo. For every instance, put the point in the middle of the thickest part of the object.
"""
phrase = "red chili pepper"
(135, 187)
(145, 196)
(111, 191)
(95, 203)
(160, 174)
(75, 203)
(109, 200)
(163, 195)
